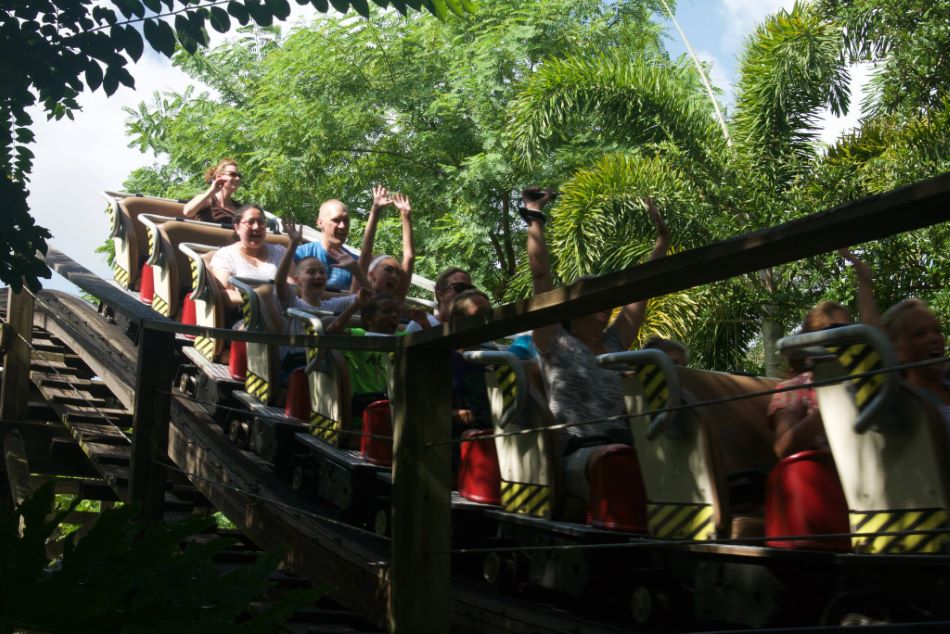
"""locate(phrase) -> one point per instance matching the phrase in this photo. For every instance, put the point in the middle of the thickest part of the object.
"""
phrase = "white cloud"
(718, 77)
(832, 126)
(76, 160)
(742, 16)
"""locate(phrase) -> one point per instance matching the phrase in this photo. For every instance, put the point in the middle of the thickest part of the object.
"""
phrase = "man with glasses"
(448, 284)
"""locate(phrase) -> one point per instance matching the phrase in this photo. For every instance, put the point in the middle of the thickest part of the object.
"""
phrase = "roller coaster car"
(891, 454)
(131, 246)
(304, 439)
(170, 268)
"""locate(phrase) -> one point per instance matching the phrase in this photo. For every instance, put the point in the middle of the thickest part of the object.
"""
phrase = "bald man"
(334, 221)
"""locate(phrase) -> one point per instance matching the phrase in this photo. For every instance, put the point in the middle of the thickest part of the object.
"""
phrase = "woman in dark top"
(215, 203)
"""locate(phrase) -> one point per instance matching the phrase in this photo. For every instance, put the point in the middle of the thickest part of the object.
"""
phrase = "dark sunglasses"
(460, 287)
(232, 174)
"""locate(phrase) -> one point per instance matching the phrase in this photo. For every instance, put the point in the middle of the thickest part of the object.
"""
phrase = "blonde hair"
(211, 172)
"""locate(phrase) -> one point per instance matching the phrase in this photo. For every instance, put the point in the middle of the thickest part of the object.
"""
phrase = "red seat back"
(618, 499)
(479, 473)
(376, 443)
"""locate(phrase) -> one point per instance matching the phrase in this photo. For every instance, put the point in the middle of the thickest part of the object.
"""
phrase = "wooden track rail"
(403, 583)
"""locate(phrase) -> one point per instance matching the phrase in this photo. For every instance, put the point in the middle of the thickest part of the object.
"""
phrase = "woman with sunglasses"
(251, 256)
(215, 203)
(793, 416)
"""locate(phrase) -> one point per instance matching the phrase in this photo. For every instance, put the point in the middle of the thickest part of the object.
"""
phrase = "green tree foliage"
(668, 146)
(416, 103)
(54, 49)
(123, 576)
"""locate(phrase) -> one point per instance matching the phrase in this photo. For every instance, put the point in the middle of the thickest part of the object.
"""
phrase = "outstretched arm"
(408, 251)
(534, 199)
(338, 325)
(381, 198)
(295, 233)
(199, 202)
(867, 308)
(631, 316)
(346, 261)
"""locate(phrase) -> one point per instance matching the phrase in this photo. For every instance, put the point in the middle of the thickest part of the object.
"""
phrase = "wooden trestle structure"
(404, 583)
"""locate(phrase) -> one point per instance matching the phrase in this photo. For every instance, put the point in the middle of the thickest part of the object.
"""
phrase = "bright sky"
(76, 160)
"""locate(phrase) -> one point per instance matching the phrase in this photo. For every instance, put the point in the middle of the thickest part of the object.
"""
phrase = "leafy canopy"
(54, 49)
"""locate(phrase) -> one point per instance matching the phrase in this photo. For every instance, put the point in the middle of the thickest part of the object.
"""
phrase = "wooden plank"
(919, 205)
(421, 502)
(103, 346)
(153, 384)
(106, 292)
(18, 331)
(16, 465)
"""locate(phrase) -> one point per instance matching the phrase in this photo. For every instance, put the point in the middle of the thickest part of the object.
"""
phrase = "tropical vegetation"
(582, 96)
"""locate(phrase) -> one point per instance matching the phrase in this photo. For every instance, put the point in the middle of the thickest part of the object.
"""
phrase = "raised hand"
(861, 269)
(402, 204)
(381, 197)
(218, 183)
(294, 230)
(342, 257)
(419, 316)
(535, 198)
(365, 295)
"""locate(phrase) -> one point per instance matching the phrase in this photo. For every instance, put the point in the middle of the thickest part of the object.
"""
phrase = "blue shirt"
(338, 278)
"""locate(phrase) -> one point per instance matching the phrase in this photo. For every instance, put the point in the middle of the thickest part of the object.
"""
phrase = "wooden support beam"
(156, 371)
(420, 581)
(16, 465)
(919, 205)
(18, 332)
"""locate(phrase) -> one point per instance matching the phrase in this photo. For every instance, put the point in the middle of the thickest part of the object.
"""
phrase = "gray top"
(580, 390)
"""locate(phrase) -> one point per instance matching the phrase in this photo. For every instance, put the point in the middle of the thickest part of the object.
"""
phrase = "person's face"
(456, 283)
(334, 221)
(386, 276)
(920, 338)
(231, 176)
(386, 319)
(311, 276)
(252, 228)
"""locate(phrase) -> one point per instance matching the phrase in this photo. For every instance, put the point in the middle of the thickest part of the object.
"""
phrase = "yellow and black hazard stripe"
(681, 521)
(867, 523)
(151, 242)
(527, 499)
(324, 428)
(246, 309)
(257, 387)
(654, 386)
(508, 384)
(856, 359)
(161, 306)
(205, 346)
(194, 274)
(311, 331)
(121, 276)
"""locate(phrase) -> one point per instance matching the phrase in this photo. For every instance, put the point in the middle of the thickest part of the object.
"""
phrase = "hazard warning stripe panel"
(681, 521)
(866, 523)
(257, 387)
(525, 498)
(324, 428)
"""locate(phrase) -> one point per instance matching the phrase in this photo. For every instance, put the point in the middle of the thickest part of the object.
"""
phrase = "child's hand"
(365, 295)
(342, 257)
(419, 316)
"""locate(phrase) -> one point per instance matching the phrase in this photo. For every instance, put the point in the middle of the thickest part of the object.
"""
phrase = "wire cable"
(696, 404)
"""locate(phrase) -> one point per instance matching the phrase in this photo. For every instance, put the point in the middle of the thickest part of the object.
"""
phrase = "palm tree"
(667, 144)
